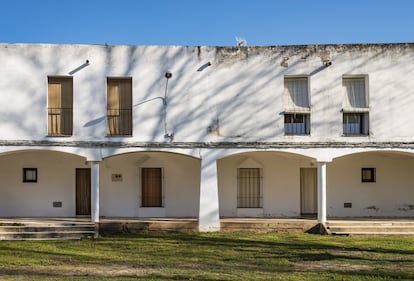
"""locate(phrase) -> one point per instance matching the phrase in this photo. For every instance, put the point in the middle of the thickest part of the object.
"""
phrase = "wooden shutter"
(119, 106)
(54, 105)
(151, 180)
(60, 106)
(67, 106)
(113, 107)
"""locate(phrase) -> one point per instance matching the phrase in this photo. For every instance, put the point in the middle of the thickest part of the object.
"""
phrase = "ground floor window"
(368, 175)
(151, 187)
(249, 193)
(29, 174)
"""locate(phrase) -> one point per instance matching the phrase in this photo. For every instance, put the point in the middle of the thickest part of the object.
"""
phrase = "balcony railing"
(119, 122)
(60, 121)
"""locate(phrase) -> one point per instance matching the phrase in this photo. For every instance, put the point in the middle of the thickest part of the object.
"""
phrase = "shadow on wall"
(201, 94)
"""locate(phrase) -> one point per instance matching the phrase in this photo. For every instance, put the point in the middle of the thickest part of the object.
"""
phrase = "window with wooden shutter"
(60, 106)
(119, 107)
(355, 106)
(249, 193)
(297, 106)
(151, 187)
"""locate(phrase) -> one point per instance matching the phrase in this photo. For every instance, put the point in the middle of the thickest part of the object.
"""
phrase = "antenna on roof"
(240, 42)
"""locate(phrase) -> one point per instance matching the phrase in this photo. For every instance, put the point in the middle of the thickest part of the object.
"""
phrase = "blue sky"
(206, 22)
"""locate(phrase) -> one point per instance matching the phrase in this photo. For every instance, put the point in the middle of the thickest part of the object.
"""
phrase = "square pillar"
(208, 219)
(95, 191)
(322, 192)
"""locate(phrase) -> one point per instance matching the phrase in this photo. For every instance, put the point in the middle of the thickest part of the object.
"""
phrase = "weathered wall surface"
(56, 183)
(280, 183)
(181, 185)
(239, 97)
(226, 101)
(391, 195)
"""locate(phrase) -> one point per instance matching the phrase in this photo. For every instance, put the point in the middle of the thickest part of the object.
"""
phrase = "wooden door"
(83, 192)
(308, 191)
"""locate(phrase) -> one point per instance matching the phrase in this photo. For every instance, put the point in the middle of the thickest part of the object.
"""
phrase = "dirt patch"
(361, 264)
(107, 270)
(331, 266)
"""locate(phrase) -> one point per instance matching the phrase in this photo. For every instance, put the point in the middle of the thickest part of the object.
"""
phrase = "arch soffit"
(250, 154)
(398, 152)
(147, 153)
(48, 150)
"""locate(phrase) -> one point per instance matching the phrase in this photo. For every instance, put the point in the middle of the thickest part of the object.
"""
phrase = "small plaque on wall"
(348, 205)
(116, 177)
(57, 204)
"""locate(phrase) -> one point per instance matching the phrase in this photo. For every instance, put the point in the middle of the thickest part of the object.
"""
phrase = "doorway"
(308, 191)
(83, 192)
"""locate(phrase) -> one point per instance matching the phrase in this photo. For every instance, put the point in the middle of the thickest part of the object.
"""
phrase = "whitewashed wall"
(56, 182)
(241, 90)
(281, 183)
(216, 94)
(181, 181)
(391, 195)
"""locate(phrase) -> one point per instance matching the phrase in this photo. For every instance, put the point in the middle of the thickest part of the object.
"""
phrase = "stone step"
(46, 230)
(353, 228)
(370, 223)
(373, 233)
(370, 228)
(114, 227)
(266, 226)
(46, 235)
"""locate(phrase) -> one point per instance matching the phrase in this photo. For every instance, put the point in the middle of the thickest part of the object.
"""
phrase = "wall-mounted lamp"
(327, 63)
(201, 68)
(168, 75)
(167, 135)
(85, 64)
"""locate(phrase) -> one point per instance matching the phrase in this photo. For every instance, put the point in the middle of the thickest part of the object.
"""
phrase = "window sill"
(59, 136)
(355, 135)
(250, 208)
(308, 135)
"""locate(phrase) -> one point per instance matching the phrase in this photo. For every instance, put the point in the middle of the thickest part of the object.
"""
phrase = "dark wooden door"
(83, 192)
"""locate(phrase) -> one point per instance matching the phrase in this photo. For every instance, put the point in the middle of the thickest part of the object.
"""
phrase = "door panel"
(83, 192)
(308, 191)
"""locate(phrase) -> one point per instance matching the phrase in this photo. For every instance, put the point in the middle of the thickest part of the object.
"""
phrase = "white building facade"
(206, 132)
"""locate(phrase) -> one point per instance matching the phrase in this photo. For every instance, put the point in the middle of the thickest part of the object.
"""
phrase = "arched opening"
(150, 184)
(39, 183)
(371, 184)
(266, 184)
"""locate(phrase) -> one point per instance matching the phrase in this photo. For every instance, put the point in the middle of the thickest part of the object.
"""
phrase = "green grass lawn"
(211, 256)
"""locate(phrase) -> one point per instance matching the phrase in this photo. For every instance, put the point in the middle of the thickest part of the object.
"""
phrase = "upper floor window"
(355, 106)
(60, 106)
(297, 106)
(119, 107)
